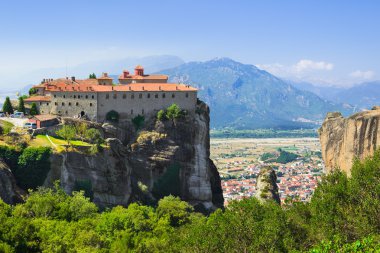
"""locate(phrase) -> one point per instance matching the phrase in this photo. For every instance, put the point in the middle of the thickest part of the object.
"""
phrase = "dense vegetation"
(286, 157)
(342, 216)
(263, 133)
(29, 166)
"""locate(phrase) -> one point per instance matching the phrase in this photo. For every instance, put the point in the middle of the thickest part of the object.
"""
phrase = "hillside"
(242, 96)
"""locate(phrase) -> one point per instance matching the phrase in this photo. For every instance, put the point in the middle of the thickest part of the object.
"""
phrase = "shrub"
(21, 106)
(152, 137)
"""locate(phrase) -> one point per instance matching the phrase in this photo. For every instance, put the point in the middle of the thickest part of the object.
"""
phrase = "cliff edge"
(161, 158)
(344, 139)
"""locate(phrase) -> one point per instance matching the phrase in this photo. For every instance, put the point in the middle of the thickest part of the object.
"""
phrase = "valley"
(239, 161)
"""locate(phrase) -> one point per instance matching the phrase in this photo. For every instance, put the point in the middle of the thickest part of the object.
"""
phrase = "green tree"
(161, 115)
(173, 112)
(33, 110)
(112, 116)
(138, 121)
(21, 106)
(172, 208)
(92, 76)
(67, 132)
(32, 91)
(81, 130)
(7, 106)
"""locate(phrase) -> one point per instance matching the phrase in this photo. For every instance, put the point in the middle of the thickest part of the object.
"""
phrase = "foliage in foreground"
(343, 216)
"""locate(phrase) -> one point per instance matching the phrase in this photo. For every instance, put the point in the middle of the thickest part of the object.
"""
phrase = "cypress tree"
(21, 106)
(33, 109)
(7, 106)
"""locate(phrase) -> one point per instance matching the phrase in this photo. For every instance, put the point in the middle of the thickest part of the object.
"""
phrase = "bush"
(146, 137)
(112, 116)
(7, 106)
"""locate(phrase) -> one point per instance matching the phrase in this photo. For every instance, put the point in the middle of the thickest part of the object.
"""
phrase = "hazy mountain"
(361, 96)
(243, 96)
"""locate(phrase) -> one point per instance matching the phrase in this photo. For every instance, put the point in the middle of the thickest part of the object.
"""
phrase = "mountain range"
(241, 96)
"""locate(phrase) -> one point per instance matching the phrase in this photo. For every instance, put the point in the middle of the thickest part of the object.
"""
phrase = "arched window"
(93, 96)
(76, 103)
(63, 103)
(173, 95)
(69, 103)
(86, 96)
(90, 104)
(75, 96)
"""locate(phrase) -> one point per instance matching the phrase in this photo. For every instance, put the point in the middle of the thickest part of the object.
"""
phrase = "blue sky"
(325, 42)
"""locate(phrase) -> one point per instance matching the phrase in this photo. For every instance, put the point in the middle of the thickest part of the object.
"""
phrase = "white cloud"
(306, 65)
(298, 69)
(369, 74)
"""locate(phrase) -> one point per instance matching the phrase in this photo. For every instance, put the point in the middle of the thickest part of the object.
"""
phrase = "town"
(239, 162)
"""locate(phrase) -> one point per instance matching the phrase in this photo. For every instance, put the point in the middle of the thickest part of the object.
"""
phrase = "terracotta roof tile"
(38, 99)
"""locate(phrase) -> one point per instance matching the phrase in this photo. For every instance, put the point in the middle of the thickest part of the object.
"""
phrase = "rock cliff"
(9, 192)
(162, 158)
(266, 185)
(343, 139)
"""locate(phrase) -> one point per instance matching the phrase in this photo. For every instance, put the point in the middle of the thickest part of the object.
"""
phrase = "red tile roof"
(38, 99)
(89, 85)
(44, 117)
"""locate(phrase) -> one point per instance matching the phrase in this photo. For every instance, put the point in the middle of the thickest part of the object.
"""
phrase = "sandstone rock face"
(169, 157)
(10, 193)
(266, 186)
(343, 139)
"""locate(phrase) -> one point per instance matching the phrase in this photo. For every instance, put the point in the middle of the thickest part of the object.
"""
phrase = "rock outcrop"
(266, 185)
(344, 139)
(165, 157)
(10, 193)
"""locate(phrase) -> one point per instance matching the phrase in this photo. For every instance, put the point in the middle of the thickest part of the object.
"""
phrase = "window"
(90, 104)
(156, 95)
(47, 103)
(64, 96)
(79, 96)
(55, 96)
(142, 111)
(56, 103)
(75, 96)
(132, 111)
(76, 103)
(124, 96)
(132, 96)
(93, 96)
(59, 111)
(86, 96)
(148, 96)
(66, 112)
(107, 96)
(63, 103)
(114, 96)
(187, 95)
(163, 95)
(40, 103)
(173, 95)
(140, 95)
(69, 103)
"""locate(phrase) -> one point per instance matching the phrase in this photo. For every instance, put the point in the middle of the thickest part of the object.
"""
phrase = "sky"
(323, 42)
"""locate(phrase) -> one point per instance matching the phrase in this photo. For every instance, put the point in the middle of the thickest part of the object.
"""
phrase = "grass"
(7, 126)
(42, 140)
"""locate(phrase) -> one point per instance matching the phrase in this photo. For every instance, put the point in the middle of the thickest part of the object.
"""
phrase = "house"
(45, 120)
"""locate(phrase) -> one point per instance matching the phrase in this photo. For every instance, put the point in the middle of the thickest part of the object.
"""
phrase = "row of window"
(63, 103)
(141, 95)
(79, 96)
